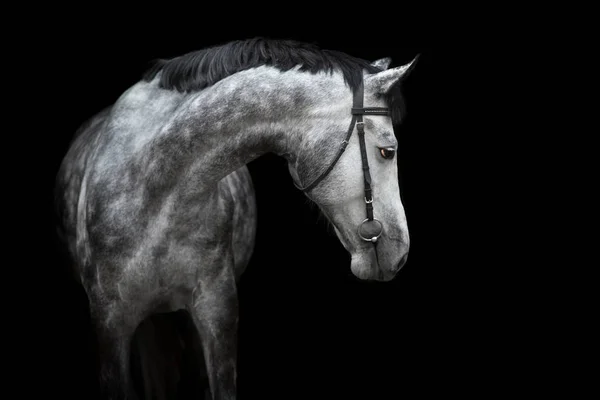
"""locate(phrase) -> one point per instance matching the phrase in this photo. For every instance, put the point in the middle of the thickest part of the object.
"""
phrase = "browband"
(371, 111)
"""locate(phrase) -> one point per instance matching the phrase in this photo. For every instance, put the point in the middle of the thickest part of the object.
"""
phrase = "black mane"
(196, 70)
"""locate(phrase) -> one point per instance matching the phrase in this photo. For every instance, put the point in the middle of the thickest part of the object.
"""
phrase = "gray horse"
(157, 207)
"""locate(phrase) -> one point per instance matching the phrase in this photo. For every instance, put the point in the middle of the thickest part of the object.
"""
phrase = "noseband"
(371, 228)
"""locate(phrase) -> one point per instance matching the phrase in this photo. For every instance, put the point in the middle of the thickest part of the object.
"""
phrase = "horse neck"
(249, 114)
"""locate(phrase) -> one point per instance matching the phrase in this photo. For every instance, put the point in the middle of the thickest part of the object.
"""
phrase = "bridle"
(371, 228)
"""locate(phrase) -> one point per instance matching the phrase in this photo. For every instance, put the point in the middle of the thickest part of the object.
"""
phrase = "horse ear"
(382, 82)
(382, 63)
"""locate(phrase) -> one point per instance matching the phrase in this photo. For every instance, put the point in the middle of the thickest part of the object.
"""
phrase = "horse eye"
(387, 153)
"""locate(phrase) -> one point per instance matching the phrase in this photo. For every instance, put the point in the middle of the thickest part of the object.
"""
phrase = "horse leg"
(215, 314)
(114, 332)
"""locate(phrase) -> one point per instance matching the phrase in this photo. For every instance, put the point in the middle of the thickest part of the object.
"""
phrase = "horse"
(156, 206)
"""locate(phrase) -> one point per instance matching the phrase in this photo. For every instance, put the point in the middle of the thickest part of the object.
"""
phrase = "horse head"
(351, 173)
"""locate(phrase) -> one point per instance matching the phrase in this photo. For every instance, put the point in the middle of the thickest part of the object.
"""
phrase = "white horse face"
(378, 248)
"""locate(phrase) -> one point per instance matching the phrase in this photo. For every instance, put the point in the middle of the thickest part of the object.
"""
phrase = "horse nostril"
(402, 262)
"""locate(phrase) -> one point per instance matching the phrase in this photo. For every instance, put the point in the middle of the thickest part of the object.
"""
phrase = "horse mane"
(197, 70)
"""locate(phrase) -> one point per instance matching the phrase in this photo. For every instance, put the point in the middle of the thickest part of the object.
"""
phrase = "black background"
(306, 326)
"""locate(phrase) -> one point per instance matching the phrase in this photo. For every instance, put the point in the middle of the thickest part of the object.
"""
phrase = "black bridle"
(371, 228)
